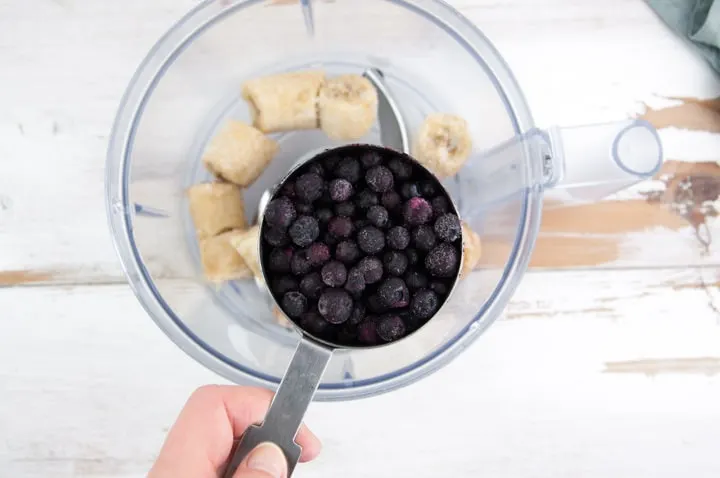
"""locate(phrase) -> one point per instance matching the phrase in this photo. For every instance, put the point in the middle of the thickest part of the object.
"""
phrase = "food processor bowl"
(432, 60)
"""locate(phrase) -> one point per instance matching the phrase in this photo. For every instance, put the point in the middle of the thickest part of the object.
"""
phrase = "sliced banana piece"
(220, 260)
(216, 207)
(348, 107)
(284, 102)
(239, 153)
(247, 244)
(280, 317)
(472, 250)
(443, 144)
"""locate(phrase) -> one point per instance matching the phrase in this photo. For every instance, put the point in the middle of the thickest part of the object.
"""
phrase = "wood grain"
(708, 366)
(606, 368)
(95, 386)
(67, 143)
(691, 114)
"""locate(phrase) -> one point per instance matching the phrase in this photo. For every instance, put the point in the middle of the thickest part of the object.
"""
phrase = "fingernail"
(269, 458)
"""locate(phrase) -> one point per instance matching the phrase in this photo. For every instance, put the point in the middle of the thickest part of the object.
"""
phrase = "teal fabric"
(698, 21)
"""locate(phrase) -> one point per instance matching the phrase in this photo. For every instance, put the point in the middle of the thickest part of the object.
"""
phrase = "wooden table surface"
(607, 362)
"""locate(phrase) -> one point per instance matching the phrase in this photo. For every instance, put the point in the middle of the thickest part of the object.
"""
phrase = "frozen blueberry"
(391, 200)
(334, 274)
(300, 263)
(409, 190)
(411, 322)
(398, 238)
(415, 279)
(417, 211)
(394, 293)
(378, 216)
(280, 213)
(375, 304)
(423, 237)
(276, 236)
(346, 209)
(284, 284)
(358, 314)
(330, 239)
(355, 281)
(323, 215)
(331, 162)
(348, 168)
(367, 332)
(379, 179)
(279, 260)
(360, 223)
(304, 208)
(427, 189)
(371, 268)
(390, 327)
(317, 168)
(440, 288)
(366, 199)
(304, 231)
(424, 304)
(318, 253)
(400, 168)
(413, 256)
(288, 190)
(447, 227)
(335, 305)
(370, 159)
(440, 205)
(442, 261)
(312, 285)
(395, 263)
(294, 304)
(309, 187)
(347, 252)
(314, 323)
(325, 199)
(340, 226)
(340, 190)
(371, 240)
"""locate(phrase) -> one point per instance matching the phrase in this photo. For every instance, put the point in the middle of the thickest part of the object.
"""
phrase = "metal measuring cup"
(312, 354)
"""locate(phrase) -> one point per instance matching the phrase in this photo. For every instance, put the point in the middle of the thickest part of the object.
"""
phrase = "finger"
(213, 416)
(242, 417)
(265, 461)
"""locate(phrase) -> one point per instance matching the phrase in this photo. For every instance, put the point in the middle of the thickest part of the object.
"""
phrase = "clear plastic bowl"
(433, 59)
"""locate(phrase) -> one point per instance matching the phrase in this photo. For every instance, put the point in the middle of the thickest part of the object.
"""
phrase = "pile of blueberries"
(360, 246)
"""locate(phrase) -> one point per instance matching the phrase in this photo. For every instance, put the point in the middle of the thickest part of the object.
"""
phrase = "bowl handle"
(580, 163)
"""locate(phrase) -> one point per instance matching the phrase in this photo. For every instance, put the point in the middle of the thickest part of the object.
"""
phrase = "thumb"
(266, 461)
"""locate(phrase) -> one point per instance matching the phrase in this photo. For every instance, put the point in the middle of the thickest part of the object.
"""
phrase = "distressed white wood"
(66, 64)
(89, 386)
(592, 373)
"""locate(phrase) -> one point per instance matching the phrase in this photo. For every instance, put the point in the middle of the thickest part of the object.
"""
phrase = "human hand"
(199, 443)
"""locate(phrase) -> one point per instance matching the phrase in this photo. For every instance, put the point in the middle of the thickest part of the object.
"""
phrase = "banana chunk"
(220, 260)
(247, 244)
(443, 144)
(280, 317)
(284, 102)
(239, 153)
(216, 207)
(472, 250)
(348, 107)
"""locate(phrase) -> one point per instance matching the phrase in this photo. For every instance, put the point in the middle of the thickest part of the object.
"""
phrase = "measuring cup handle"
(287, 409)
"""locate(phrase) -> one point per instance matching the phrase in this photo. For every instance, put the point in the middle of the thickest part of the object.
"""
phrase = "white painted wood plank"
(577, 61)
(615, 373)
